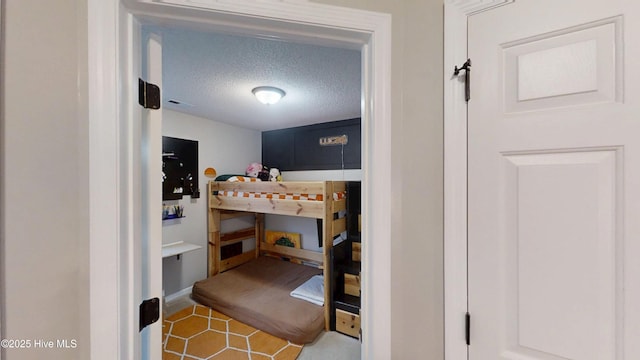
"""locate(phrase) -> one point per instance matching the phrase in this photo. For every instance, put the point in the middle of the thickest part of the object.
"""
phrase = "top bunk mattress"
(258, 294)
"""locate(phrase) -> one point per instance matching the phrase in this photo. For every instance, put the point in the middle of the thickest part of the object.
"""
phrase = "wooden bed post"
(326, 250)
(259, 232)
(214, 244)
(214, 235)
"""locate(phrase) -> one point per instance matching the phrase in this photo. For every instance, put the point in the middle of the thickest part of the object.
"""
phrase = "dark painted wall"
(299, 148)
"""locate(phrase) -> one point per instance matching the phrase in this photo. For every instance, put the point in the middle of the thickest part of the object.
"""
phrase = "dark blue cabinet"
(301, 148)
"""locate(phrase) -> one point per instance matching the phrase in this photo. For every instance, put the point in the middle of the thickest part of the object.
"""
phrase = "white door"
(554, 181)
(151, 201)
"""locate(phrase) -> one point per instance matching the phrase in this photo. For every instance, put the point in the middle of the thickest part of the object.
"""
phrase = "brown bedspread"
(257, 294)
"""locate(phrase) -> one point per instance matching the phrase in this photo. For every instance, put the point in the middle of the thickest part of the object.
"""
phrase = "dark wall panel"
(277, 149)
(299, 148)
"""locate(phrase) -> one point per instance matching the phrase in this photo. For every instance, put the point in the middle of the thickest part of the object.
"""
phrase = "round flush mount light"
(268, 95)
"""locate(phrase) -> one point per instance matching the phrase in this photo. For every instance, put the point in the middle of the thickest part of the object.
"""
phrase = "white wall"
(417, 299)
(227, 149)
(44, 234)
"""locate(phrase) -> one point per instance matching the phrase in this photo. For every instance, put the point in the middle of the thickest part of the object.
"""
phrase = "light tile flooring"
(198, 332)
(328, 345)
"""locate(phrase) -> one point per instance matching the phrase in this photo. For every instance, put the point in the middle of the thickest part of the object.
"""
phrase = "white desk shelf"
(177, 248)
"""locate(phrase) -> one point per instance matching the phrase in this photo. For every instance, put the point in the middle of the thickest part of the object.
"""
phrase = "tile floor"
(198, 332)
(329, 345)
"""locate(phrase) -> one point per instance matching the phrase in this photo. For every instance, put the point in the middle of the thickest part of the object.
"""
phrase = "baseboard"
(177, 295)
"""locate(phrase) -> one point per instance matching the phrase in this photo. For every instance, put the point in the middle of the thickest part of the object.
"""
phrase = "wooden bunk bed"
(320, 200)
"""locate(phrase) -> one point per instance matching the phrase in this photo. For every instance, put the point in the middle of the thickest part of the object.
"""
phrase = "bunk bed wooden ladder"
(333, 227)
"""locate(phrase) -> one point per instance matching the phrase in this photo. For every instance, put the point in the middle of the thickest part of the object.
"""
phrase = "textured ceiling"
(212, 76)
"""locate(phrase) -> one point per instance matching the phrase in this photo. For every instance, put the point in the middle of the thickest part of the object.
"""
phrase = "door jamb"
(105, 263)
(105, 17)
(456, 14)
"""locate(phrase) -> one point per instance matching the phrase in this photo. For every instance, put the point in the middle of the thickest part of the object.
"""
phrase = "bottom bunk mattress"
(258, 294)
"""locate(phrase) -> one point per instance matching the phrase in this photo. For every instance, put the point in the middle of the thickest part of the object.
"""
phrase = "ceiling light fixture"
(268, 95)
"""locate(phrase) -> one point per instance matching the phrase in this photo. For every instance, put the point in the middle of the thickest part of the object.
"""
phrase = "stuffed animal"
(253, 170)
(264, 174)
(274, 175)
(257, 170)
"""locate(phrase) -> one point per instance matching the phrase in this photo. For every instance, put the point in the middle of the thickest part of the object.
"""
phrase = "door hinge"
(467, 78)
(467, 328)
(148, 95)
(149, 312)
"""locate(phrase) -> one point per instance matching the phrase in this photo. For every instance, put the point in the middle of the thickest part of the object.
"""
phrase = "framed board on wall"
(179, 168)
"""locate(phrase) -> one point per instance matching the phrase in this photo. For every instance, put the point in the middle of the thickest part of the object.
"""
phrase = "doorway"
(207, 79)
(314, 22)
